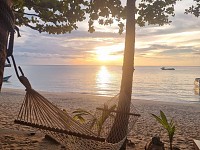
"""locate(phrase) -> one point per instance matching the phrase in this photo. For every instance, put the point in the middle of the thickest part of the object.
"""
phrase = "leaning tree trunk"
(3, 37)
(119, 129)
(3, 41)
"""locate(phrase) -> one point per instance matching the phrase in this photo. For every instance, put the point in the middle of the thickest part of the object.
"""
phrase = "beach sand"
(13, 136)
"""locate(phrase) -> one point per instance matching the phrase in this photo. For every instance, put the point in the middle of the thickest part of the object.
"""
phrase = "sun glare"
(109, 53)
(103, 78)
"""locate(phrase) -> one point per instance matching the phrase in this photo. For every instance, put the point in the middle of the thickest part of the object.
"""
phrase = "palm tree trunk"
(3, 42)
(119, 129)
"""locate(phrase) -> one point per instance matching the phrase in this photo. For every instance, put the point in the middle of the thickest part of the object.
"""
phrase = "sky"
(177, 44)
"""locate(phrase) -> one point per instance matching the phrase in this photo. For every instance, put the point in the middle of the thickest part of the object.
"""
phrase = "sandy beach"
(13, 136)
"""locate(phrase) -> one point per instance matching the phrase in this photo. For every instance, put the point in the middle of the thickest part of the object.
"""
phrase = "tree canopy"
(62, 16)
(50, 16)
(194, 9)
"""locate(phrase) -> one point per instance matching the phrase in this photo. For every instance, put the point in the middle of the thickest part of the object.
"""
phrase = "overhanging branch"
(26, 13)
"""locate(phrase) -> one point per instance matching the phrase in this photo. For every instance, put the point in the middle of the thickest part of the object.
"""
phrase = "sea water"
(149, 83)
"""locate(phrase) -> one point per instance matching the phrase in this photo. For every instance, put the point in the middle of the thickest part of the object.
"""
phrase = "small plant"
(80, 113)
(106, 113)
(169, 126)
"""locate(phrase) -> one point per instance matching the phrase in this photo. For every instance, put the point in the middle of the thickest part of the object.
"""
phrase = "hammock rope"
(38, 112)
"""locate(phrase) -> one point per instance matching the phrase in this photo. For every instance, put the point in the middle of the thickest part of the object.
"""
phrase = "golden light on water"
(103, 78)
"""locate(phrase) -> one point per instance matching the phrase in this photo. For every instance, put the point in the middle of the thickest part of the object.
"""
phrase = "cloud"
(67, 46)
(180, 38)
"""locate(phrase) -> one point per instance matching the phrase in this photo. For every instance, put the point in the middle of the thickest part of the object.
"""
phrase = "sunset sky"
(177, 44)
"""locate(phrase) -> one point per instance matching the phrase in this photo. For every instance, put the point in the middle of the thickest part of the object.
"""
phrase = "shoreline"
(185, 115)
(99, 95)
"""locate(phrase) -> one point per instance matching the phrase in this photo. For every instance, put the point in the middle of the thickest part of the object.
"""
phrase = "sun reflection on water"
(103, 79)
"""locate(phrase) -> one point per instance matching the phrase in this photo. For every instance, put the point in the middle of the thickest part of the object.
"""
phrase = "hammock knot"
(25, 82)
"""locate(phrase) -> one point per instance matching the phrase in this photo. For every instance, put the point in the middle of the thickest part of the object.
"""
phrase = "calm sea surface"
(150, 83)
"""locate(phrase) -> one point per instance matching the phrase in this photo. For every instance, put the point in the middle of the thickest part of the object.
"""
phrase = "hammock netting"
(36, 111)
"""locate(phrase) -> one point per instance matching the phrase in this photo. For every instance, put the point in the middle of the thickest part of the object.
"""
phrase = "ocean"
(149, 83)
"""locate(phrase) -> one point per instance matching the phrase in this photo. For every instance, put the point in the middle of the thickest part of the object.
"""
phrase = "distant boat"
(197, 82)
(197, 86)
(5, 79)
(7, 65)
(164, 68)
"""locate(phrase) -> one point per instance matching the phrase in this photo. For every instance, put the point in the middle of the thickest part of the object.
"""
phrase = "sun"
(103, 55)
(109, 53)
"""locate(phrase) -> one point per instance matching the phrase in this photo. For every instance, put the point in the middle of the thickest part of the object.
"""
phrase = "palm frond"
(169, 126)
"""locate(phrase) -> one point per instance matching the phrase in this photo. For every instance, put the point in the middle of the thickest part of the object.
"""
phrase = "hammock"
(37, 112)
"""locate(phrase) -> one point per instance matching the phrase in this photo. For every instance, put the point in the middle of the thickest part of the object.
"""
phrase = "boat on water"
(164, 68)
(197, 86)
(5, 79)
(7, 65)
(197, 82)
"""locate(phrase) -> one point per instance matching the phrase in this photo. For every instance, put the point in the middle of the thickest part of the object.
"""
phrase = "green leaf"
(157, 118)
(164, 119)
(79, 118)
